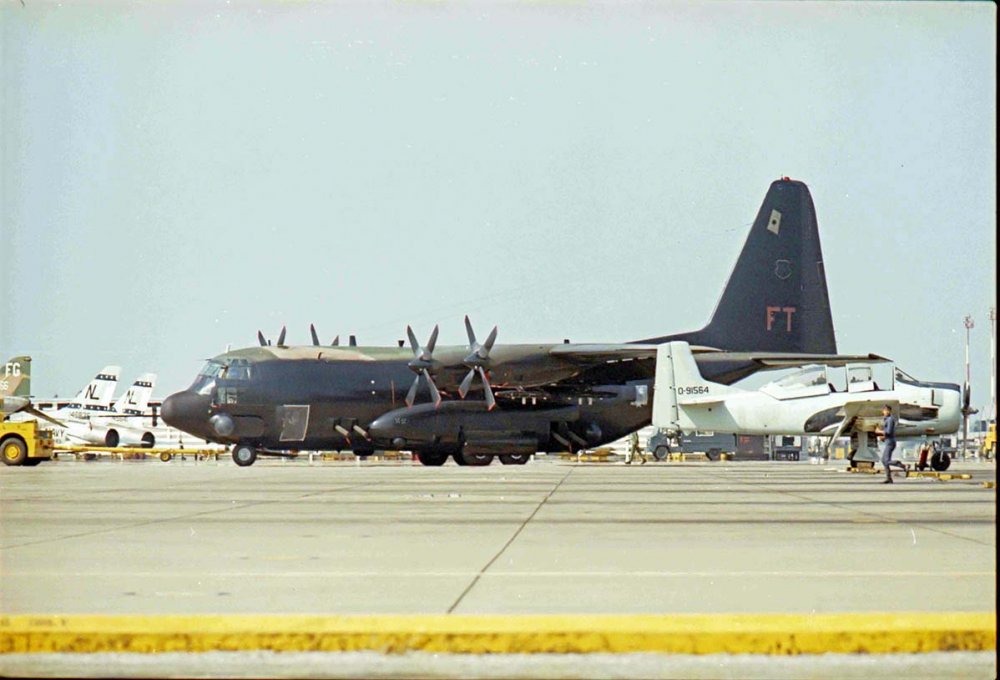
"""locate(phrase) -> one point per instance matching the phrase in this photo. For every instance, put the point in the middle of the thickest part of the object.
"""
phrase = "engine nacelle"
(469, 424)
(142, 439)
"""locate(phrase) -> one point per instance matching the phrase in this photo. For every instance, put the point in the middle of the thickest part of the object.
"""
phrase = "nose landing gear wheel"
(244, 455)
(940, 461)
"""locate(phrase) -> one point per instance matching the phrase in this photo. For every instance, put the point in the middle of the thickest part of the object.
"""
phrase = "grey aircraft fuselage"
(355, 398)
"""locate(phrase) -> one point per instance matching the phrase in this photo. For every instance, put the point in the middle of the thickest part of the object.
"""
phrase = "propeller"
(967, 411)
(420, 364)
(477, 361)
(11, 405)
(264, 342)
(315, 337)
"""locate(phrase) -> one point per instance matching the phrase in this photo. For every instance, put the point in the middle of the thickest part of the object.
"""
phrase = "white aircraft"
(830, 400)
(95, 398)
(123, 424)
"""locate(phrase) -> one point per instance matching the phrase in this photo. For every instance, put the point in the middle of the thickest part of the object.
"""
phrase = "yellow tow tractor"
(989, 449)
(25, 443)
(21, 443)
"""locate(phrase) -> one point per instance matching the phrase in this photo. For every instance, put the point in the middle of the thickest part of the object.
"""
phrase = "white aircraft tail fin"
(679, 385)
(136, 398)
(100, 390)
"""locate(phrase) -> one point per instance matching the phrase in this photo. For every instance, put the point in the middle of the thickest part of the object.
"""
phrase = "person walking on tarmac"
(887, 433)
(634, 450)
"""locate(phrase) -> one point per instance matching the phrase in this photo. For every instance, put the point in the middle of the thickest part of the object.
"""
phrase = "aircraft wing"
(601, 353)
(771, 360)
(854, 409)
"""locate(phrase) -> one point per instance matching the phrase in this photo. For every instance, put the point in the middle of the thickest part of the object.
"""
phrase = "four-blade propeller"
(478, 361)
(967, 411)
(421, 363)
(264, 342)
(315, 337)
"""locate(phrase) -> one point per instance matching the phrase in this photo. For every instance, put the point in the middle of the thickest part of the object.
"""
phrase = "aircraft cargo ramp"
(556, 569)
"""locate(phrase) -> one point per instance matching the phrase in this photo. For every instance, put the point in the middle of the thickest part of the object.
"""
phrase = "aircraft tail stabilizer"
(679, 386)
(136, 398)
(101, 389)
(776, 299)
(15, 377)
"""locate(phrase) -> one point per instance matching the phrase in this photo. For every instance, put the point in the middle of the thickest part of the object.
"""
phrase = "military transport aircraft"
(832, 399)
(510, 401)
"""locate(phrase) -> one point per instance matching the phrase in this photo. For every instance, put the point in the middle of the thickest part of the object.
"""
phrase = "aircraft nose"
(186, 411)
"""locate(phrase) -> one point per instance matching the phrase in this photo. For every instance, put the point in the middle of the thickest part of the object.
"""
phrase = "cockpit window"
(213, 369)
(239, 369)
(807, 377)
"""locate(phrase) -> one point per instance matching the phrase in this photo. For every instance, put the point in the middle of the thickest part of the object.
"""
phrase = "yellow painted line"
(943, 476)
(778, 634)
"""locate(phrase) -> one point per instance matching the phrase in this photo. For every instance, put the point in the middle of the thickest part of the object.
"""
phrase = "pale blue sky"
(178, 175)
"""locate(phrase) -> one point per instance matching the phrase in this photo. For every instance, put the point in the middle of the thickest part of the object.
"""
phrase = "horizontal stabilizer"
(701, 401)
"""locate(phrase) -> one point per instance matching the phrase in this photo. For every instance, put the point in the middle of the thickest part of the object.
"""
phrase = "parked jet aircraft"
(95, 398)
(15, 384)
(529, 397)
(122, 424)
(832, 399)
(15, 390)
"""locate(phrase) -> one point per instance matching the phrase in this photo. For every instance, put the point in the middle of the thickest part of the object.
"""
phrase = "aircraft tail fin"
(15, 377)
(679, 386)
(101, 389)
(776, 299)
(136, 398)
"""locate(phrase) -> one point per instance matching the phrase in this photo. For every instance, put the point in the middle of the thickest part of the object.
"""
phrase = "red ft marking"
(772, 312)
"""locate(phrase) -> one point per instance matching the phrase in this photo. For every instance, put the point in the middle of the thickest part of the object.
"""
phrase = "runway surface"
(551, 537)
(548, 537)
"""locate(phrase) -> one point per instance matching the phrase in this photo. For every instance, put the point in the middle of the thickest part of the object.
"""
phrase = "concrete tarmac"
(548, 537)
(551, 537)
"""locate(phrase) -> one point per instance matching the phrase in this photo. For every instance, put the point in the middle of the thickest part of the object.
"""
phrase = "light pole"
(993, 364)
(966, 403)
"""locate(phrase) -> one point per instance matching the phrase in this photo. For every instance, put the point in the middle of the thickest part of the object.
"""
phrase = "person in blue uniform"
(887, 433)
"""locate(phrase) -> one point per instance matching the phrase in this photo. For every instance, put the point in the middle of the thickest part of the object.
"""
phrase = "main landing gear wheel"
(476, 459)
(244, 455)
(940, 461)
(514, 458)
(432, 459)
(14, 452)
